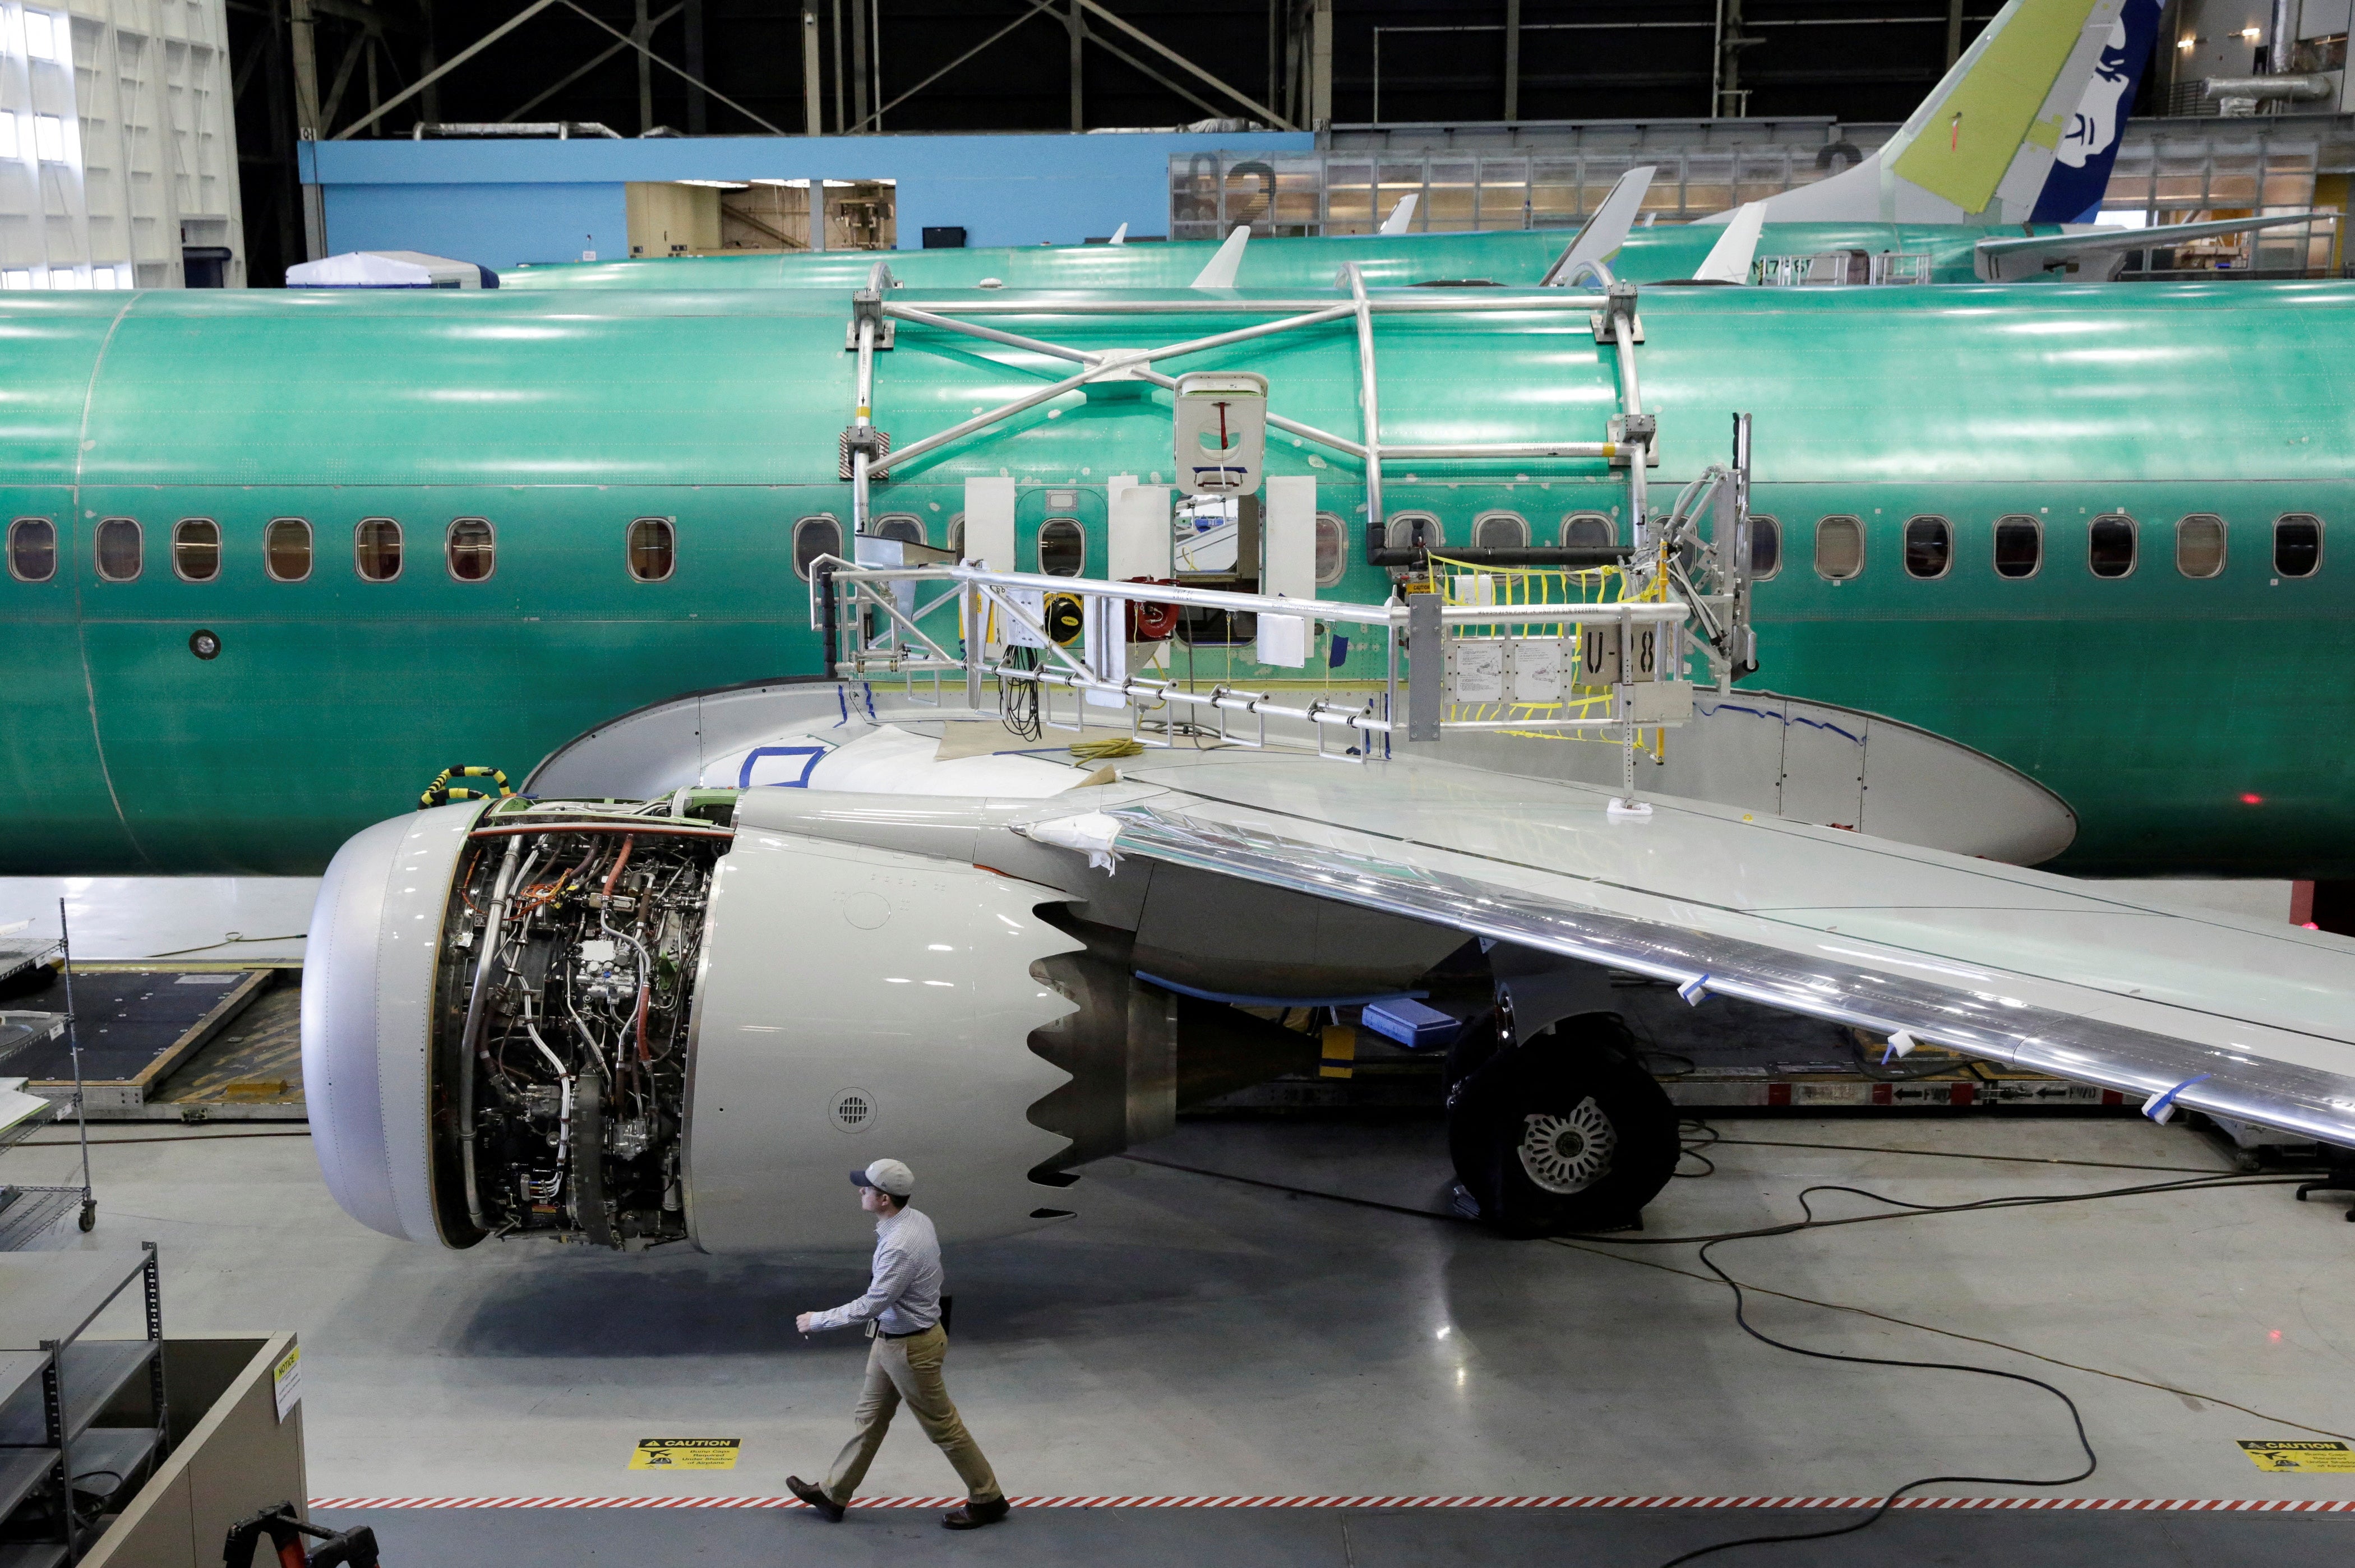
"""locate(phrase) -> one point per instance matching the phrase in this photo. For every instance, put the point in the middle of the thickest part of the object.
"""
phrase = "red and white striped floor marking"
(2121, 1505)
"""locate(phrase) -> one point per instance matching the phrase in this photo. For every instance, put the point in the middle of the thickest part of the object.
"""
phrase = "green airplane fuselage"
(2195, 725)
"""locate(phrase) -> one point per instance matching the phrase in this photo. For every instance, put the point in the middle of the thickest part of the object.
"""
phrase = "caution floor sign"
(2269, 1454)
(686, 1454)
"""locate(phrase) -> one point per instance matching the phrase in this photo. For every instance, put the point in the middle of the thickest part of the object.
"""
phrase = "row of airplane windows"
(2112, 546)
(288, 550)
(2112, 542)
(650, 545)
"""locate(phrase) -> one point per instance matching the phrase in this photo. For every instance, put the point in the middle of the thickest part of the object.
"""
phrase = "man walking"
(902, 1311)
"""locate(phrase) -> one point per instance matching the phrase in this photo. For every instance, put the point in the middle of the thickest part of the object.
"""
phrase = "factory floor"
(1307, 1323)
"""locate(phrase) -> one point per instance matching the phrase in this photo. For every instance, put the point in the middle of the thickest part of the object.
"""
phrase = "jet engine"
(611, 1024)
(687, 1019)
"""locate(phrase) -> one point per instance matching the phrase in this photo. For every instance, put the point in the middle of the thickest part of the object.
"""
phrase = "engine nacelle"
(610, 1024)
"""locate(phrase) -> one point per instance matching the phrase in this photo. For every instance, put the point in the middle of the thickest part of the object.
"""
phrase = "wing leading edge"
(2263, 1035)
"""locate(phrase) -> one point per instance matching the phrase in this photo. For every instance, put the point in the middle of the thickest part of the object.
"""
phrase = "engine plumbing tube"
(492, 938)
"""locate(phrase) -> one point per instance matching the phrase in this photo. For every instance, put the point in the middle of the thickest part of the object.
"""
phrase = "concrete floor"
(1191, 1335)
(1348, 1539)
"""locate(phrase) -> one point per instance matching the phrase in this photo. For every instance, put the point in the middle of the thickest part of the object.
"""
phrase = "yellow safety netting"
(1560, 590)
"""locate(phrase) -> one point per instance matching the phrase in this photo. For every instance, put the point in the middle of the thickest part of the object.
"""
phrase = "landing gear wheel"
(1566, 1133)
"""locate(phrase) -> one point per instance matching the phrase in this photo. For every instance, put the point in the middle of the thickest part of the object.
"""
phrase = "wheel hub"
(1568, 1153)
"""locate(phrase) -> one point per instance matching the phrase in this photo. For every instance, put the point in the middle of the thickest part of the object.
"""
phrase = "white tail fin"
(1401, 214)
(1119, 236)
(1606, 231)
(1729, 259)
(1221, 272)
(1980, 146)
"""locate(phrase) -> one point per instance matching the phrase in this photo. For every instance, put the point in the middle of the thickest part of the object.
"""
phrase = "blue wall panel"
(500, 202)
(495, 225)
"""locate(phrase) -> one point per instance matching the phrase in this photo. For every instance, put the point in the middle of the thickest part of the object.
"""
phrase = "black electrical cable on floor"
(1900, 1209)
(1687, 1150)
(1741, 1317)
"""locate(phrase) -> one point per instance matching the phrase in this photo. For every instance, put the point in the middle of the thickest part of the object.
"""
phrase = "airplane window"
(1929, 546)
(1765, 546)
(286, 549)
(32, 549)
(815, 537)
(2019, 546)
(2110, 544)
(1410, 530)
(121, 548)
(1839, 548)
(956, 536)
(2297, 544)
(2200, 545)
(653, 549)
(472, 549)
(375, 549)
(1500, 530)
(907, 529)
(1332, 549)
(1588, 531)
(196, 550)
(1062, 548)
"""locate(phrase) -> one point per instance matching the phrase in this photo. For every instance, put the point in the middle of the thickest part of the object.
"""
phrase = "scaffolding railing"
(1617, 665)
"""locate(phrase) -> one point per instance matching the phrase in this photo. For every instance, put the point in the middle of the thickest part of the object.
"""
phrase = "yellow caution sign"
(686, 1454)
(2266, 1454)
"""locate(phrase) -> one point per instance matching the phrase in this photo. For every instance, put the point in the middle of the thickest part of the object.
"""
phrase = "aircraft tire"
(1565, 1133)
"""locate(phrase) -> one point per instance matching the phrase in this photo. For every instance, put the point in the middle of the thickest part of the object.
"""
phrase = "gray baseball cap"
(885, 1176)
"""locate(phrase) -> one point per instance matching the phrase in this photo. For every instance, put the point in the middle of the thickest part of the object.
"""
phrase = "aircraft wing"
(2000, 260)
(2240, 1017)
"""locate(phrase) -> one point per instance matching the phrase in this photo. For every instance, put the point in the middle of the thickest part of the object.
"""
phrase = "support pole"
(427, 66)
(642, 33)
(698, 103)
(1320, 66)
(1954, 32)
(811, 108)
(304, 37)
(1512, 59)
(859, 60)
(1078, 33)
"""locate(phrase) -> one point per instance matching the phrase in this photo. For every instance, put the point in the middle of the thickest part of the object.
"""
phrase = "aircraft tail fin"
(2089, 143)
(1605, 232)
(2043, 92)
(1220, 272)
(1119, 236)
(1728, 260)
(1401, 214)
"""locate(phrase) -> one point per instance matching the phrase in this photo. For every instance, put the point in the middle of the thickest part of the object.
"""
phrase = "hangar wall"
(504, 201)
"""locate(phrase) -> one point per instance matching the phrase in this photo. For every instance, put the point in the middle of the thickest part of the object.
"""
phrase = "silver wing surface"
(2238, 1017)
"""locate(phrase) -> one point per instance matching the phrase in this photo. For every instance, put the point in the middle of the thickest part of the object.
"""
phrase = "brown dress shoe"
(820, 1504)
(972, 1516)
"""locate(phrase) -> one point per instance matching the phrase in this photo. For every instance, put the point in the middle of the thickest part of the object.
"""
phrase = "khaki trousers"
(910, 1370)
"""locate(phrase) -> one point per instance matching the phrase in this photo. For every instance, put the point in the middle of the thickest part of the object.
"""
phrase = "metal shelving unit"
(27, 1213)
(54, 1385)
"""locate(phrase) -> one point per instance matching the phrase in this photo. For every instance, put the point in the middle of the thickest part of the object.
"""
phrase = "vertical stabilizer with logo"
(2026, 124)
